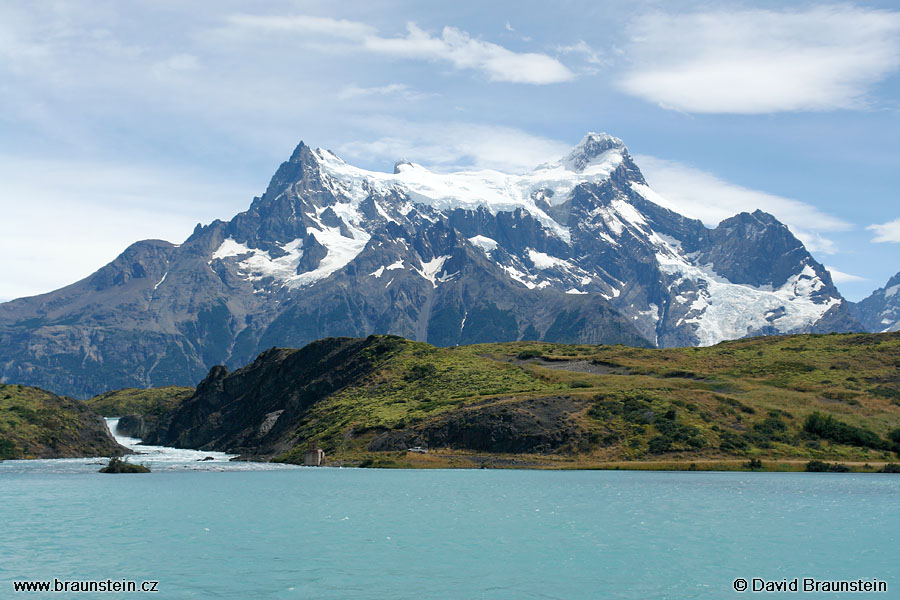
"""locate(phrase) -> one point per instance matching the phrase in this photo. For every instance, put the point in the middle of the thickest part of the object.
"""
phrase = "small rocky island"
(117, 465)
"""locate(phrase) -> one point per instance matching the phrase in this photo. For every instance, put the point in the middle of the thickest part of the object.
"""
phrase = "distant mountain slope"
(35, 423)
(881, 310)
(834, 397)
(580, 250)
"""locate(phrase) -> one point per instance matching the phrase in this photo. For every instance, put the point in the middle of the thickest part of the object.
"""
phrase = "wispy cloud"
(841, 277)
(452, 146)
(761, 61)
(400, 90)
(351, 30)
(702, 195)
(591, 55)
(886, 232)
(453, 45)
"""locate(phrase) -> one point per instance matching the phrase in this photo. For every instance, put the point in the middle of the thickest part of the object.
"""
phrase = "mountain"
(578, 250)
(35, 423)
(881, 310)
(368, 400)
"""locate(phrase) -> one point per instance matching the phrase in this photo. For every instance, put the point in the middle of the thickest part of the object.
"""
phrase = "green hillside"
(783, 401)
(35, 423)
(134, 401)
(793, 398)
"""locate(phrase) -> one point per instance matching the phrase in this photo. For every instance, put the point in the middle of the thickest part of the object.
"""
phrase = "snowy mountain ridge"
(880, 312)
(718, 309)
(577, 250)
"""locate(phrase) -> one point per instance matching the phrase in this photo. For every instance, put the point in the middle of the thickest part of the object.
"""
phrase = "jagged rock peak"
(592, 146)
(300, 152)
(307, 155)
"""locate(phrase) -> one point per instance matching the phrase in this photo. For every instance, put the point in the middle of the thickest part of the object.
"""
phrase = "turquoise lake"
(356, 533)
(221, 529)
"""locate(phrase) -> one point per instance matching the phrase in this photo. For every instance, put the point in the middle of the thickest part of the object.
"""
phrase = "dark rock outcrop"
(537, 425)
(255, 410)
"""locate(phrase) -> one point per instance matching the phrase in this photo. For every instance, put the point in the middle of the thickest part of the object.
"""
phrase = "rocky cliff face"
(880, 312)
(256, 409)
(580, 250)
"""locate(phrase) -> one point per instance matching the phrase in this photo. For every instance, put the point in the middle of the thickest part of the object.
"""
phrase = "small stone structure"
(315, 456)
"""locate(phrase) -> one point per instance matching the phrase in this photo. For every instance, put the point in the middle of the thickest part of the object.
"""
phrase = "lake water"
(261, 531)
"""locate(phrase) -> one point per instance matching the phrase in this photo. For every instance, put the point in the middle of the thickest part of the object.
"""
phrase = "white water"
(166, 458)
(158, 458)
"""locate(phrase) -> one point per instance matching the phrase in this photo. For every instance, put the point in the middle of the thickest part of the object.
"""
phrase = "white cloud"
(453, 45)
(341, 28)
(401, 90)
(592, 56)
(841, 277)
(886, 232)
(702, 195)
(762, 61)
(84, 214)
(452, 146)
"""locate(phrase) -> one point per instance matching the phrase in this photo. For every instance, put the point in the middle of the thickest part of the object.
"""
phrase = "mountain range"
(579, 250)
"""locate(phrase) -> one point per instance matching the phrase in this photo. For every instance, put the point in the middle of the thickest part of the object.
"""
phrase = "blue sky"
(124, 121)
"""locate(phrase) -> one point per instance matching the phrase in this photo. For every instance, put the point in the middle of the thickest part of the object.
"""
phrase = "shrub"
(7, 448)
(753, 464)
(817, 466)
(890, 468)
(829, 428)
(421, 371)
(659, 445)
(772, 428)
(894, 436)
(730, 441)
(672, 434)
(736, 404)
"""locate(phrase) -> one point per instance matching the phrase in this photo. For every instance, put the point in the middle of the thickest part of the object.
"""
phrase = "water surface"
(357, 533)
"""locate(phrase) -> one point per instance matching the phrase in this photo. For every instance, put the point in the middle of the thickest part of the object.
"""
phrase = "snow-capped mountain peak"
(577, 221)
(579, 250)
(594, 149)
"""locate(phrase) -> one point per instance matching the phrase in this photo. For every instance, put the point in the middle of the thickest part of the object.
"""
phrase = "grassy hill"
(35, 423)
(790, 399)
(134, 401)
(140, 410)
(782, 400)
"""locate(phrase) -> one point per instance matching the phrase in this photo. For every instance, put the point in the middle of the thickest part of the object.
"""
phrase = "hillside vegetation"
(790, 399)
(140, 410)
(134, 401)
(35, 423)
